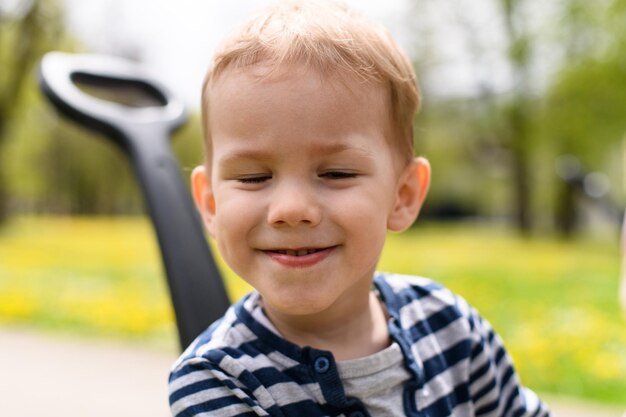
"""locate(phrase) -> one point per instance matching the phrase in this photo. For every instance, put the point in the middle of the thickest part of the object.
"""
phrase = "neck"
(355, 331)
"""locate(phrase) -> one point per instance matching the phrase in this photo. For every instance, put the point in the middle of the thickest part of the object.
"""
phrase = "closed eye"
(338, 175)
(254, 179)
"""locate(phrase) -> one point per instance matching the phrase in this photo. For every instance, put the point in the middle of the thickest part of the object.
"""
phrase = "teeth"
(300, 252)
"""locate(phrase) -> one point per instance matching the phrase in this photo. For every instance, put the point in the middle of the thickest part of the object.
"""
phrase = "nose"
(294, 204)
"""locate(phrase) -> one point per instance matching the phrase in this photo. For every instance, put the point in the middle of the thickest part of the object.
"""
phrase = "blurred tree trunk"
(578, 38)
(566, 215)
(519, 118)
(27, 30)
(518, 124)
(584, 112)
(505, 122)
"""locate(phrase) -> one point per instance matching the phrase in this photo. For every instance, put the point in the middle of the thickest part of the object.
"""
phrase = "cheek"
(364, 216)
(234, 217)
(231, 238)
(368, 206)
(234, 207)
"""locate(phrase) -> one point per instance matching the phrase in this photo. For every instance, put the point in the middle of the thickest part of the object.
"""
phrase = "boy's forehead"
(248, 100)
(269, 75)
(266, 95)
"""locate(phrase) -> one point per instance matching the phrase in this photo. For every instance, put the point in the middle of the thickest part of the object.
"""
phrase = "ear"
(411, 192)
(203, 196)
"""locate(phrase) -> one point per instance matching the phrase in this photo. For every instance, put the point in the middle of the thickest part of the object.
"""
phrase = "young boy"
(308, 115)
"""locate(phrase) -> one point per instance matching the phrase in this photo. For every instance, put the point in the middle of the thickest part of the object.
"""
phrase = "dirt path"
(49, 375)
(565, 407)
(45, 375)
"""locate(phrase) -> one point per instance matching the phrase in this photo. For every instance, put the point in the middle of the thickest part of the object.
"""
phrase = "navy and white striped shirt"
(458, 365)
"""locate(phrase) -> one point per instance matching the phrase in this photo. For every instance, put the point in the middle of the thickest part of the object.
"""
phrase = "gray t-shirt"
(377, 380)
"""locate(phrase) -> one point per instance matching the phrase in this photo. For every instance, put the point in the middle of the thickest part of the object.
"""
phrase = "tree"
(27, 30)
(584, 112)
(518, 117)
(499, 118)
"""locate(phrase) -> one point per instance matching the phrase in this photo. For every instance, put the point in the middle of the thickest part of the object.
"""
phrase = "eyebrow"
(258, 154)
(245, 154)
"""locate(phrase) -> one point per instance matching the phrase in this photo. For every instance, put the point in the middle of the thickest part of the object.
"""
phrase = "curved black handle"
(60, 72)
(197, 291)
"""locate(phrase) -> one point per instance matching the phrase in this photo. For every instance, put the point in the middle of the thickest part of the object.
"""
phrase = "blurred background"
(523, 121)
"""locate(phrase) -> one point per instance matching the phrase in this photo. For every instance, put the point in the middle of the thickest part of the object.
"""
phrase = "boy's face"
(303, 185)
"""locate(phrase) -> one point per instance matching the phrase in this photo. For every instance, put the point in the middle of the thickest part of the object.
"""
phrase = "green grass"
(554, 303)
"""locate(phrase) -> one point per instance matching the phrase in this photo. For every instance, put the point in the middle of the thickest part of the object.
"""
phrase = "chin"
(298, 306)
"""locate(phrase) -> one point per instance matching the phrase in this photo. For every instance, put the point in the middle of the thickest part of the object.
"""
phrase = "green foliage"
(494, 154)
(451, 136)
(50, 165)
(490, 152)
(187, 144)
(585, 110)
(27, 29)
(57, 167)
(584, 107)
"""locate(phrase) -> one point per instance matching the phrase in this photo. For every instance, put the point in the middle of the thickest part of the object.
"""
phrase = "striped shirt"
(457, 364)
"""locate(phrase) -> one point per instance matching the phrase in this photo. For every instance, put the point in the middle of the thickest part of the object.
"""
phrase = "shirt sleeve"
(495, 387)
(197, 387)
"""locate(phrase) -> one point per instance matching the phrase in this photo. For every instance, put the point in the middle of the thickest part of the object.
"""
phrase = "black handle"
(196, 289)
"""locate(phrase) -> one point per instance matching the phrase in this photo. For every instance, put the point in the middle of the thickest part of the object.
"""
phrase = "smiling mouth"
(297, 252)
(300, 257)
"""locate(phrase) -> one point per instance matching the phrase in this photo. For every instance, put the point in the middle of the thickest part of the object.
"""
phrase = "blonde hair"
(330, 38)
